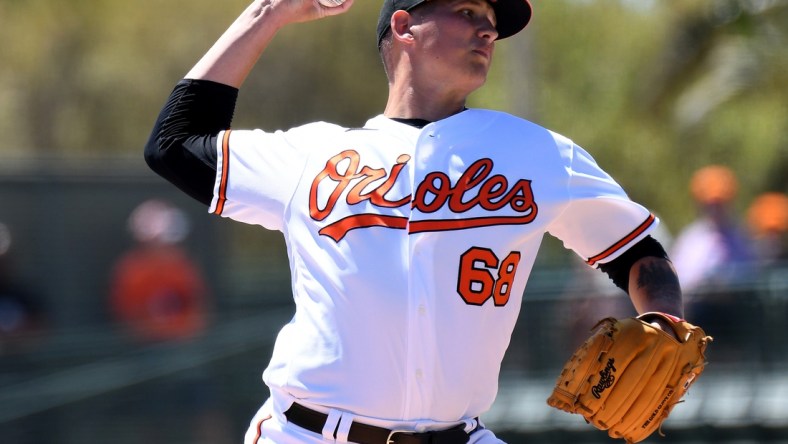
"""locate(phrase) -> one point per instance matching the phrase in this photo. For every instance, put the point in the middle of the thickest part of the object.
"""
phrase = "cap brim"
(512, 16)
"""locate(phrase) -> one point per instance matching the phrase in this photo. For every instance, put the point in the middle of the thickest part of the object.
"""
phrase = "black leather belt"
(368, 434)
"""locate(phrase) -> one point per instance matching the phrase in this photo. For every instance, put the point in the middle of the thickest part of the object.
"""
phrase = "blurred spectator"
(767, 218)
(157, 291)
(713, 257)
(158, 294)
(713, 249)
(22, 315)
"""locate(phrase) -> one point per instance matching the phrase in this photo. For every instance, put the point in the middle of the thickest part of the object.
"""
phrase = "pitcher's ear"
(401, 22)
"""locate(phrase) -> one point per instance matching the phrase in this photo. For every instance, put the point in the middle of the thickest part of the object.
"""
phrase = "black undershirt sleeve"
(182, 146)
(618, 269)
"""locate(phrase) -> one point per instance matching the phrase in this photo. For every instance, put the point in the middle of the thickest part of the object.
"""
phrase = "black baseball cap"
(512, 15)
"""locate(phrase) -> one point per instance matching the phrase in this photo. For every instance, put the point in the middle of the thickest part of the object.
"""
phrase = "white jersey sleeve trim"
(222, 174)
(619, 246)
(598, 221)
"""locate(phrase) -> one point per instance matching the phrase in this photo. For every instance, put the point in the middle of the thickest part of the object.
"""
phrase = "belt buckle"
(390, 438)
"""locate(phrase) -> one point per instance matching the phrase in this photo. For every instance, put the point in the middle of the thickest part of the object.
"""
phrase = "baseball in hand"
(331, 3)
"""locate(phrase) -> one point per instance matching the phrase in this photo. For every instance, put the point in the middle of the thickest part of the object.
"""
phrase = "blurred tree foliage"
(653, 88)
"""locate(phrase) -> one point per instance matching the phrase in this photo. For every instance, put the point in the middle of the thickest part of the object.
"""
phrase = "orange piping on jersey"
(260, 429)
(225, 171)
(635, 233)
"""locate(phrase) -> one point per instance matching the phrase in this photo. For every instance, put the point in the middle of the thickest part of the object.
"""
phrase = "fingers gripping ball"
(628, 376)
(331, 3)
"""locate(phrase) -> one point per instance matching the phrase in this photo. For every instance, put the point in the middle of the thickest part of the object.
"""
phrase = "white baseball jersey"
(410, 249)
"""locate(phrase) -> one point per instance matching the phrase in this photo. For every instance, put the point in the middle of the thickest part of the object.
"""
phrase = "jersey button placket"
(421, 345)
(412, 401)
(416, 370)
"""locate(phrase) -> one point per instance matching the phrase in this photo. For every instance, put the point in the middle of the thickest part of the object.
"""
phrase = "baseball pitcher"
(411, 238)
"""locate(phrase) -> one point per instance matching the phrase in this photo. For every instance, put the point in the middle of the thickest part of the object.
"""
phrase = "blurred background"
(128, 314)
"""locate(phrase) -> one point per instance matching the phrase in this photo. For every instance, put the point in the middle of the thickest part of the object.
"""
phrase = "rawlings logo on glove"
(628, 376)
(606, 379)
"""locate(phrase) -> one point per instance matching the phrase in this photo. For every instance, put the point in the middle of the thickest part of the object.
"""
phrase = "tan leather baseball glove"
(628, 376)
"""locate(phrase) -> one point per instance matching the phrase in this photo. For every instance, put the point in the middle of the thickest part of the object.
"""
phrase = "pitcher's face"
(457, 40)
